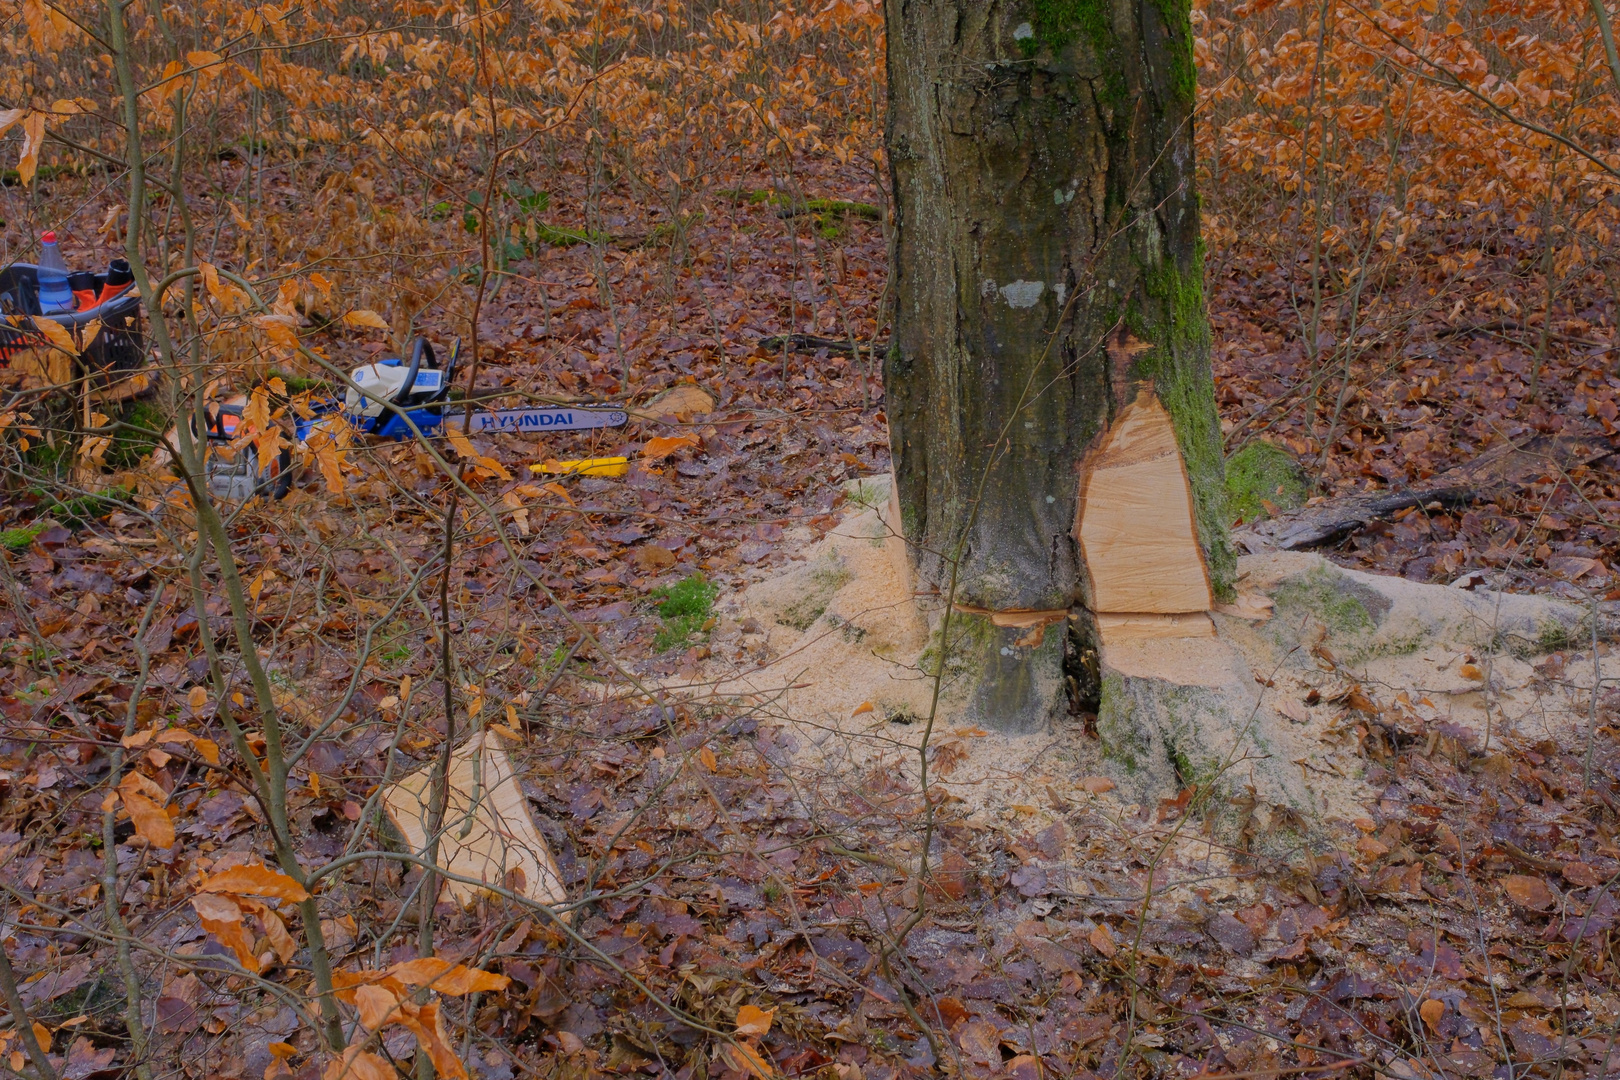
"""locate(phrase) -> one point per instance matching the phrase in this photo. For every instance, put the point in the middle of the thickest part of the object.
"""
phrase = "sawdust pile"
(834, 649)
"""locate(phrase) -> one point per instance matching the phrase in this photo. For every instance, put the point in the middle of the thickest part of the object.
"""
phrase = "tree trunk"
(1047, 271)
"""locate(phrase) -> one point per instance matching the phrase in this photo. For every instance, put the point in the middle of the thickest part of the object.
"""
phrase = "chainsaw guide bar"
(533, 420)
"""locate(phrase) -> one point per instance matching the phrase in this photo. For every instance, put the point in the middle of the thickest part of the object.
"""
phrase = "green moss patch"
(685, 608)
(140, 428)
(19, 538)
(1323, 593)
(1258, 474)
(825, 580)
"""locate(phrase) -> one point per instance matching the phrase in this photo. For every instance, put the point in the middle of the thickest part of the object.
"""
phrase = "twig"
(20, 1020)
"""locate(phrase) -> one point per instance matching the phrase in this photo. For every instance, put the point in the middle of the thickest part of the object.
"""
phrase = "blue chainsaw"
(389, 398)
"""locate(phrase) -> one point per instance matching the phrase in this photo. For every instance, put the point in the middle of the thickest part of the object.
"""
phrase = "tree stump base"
(1181, 713)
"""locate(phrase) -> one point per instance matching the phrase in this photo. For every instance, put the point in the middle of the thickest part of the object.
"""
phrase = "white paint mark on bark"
(1023, 294)
(1023, 31)
(987, 287)
(1062, 291)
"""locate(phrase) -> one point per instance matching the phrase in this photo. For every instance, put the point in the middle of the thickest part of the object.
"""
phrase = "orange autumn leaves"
(226, 900)
(385, 998)
(140, 797)
(225, 903)
(753, 1023)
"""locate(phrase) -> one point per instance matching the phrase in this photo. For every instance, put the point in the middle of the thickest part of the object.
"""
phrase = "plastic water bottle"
(54, 294)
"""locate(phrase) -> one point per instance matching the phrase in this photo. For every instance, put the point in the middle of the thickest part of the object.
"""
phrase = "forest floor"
(1455, 917)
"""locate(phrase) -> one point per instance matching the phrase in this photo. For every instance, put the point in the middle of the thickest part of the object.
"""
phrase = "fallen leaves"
(144, 802)
(366, 318)
(752, 1020)
(254, 880)
(1529, 892)
(661, 446)
(383, 998)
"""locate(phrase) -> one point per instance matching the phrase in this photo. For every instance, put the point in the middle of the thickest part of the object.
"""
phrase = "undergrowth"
(685, 608)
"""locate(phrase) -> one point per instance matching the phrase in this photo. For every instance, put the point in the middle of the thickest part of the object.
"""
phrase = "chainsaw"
(391, 401)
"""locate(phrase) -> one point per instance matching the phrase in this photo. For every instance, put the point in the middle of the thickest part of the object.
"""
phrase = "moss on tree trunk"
(1042, 163)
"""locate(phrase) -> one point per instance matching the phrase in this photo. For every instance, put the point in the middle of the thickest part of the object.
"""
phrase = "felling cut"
(1138, 534)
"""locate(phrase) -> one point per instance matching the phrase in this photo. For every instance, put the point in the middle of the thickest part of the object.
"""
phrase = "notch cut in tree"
(1047, 271)
(1138, 530)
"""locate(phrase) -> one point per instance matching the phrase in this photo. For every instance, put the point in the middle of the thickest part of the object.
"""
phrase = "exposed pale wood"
(1136, 524)
(503, 843)
(1118, 626)
(1018, 618)
(895, 538)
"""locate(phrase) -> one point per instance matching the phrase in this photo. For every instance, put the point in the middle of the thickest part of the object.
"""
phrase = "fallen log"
(811, 343)
(1507, 467)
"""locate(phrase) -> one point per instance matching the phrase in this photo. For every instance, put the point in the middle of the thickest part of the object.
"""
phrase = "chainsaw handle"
(450, 368)
(418, 347)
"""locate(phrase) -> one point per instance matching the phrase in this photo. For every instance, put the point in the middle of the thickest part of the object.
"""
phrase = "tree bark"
(1047, 267)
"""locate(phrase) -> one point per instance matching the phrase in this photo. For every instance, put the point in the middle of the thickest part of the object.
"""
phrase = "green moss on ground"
(663, 235)
(538, 232)
(685, 608)
(140, 428)
(19, 538)
(1318, 593)
(80, 510)
(825, 580)
(1260, 473)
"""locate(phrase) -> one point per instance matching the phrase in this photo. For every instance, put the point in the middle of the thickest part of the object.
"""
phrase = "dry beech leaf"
(1096, 784)
(752, 1020)
(221, 917)
(275, 931)
(255, 881)
(1103, 941)
(196, 698)
(1432, 1012)
(745, 1059)
(43, 1034)
(57, 335)
(365, 317)
(33, 139)
(661, 446)
(152, 824)
(377, 1006)
(439, 974)
(1529, 892)
(358, 1064)
(863, 707)
(427, 1024)
(706, 756)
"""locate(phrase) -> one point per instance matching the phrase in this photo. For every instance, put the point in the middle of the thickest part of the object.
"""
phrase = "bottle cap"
(48, 237)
